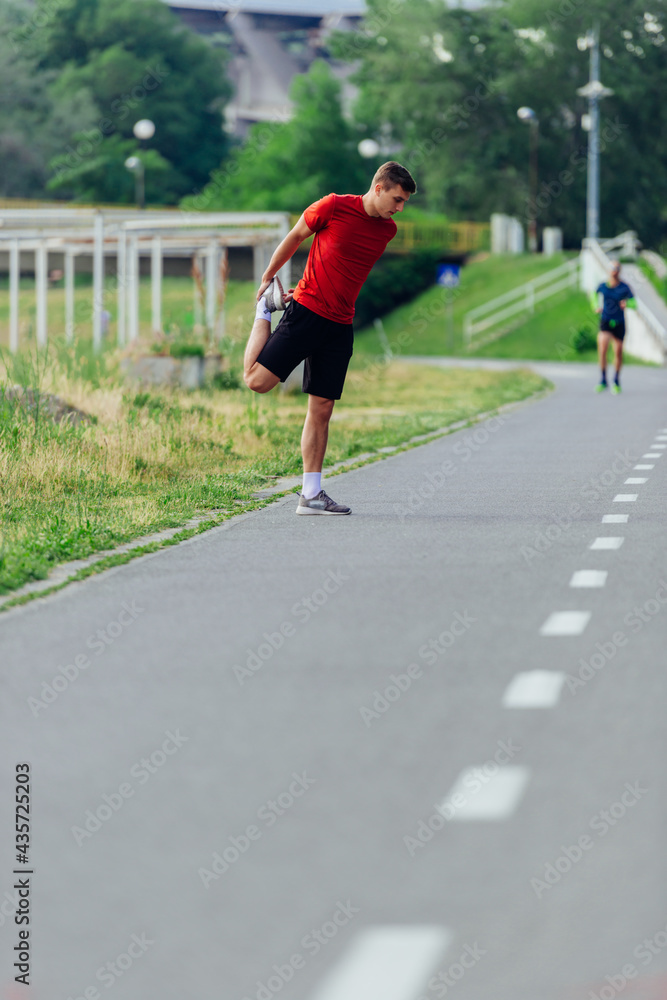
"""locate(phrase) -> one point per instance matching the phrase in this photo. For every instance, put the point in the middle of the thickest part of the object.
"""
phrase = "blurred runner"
(616, 295)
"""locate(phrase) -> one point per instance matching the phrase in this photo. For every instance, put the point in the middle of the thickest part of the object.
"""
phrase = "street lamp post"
(528, 116)
(143, 129)
(136, 166)
(594, 91)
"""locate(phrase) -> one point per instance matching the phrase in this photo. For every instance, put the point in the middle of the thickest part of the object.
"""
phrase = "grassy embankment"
(153, 459)
(551, 334)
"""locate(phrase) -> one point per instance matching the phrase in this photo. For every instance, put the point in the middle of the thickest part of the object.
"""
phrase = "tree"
(444, 86)
(432, 87)
(32, 123)
(633, 185)
(136, 60)
(100, 174)
(284, 166)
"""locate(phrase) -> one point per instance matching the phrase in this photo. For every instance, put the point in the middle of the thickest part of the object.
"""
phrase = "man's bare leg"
(603, 349)
(618, 353)
(256, 376)
(618, 361)
(316, 432)
(313, 448)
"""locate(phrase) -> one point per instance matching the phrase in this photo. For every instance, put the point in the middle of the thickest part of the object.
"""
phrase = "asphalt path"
(286, 757)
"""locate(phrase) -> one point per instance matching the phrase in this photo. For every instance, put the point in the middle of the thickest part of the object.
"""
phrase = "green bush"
(186, 349)
(393, 281)
(226, 380)
(584, 339)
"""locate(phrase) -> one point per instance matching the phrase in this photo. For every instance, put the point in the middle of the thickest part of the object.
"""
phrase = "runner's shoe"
(601, 386)
(274, 296)
(321, 504)
(616, 388)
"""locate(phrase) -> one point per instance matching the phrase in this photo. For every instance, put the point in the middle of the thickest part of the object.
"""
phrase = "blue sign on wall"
(448, 275)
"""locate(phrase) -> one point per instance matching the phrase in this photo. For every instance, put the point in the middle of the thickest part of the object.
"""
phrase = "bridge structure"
(271, 42)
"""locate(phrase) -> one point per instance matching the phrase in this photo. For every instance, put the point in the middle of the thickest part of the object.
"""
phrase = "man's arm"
(284, 252)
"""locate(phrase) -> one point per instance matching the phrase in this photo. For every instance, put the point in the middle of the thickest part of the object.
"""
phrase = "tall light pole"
(528, 116)
(136, 166)
(594, 91)
(143, 129)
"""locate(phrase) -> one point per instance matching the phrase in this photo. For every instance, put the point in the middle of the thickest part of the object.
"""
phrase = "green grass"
(178, 309)
(154, 459)
(423, 324)
(549, 335)
(660, 284)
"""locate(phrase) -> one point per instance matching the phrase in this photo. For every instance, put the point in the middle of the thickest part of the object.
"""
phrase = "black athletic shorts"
(325, 346)
(617, 330)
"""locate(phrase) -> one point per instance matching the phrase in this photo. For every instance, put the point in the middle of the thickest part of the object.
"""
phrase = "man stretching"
(351, 233)
(615, 296)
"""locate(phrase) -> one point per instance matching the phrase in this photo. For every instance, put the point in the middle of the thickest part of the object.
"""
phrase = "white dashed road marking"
(534, 689)
(386, 963)
(589, 578)
(615, 518)
(566, 623)
(635, 481)
(643, 467)
(651, 454)
(658, 447)
(606, 543)
(625, 497)
(478, 795)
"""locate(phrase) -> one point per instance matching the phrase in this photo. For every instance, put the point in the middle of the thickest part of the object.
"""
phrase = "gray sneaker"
(321, 504)
(274, 296)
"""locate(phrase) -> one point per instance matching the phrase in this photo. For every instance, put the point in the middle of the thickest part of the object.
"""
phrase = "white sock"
(261, 312)
(312, 484)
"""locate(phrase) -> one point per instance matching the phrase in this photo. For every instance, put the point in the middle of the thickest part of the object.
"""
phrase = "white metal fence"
(492, 318)
(126, 236)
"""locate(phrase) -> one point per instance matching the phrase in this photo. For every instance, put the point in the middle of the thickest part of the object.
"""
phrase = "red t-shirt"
(347, 243)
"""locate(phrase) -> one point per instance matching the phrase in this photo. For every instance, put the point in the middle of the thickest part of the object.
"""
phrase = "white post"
(14, 273)
(69, 295)
(121, 286)
(133, 289)
(199, 319)
(285, 273)
(262, 253)
(211, 285)
(156, 283)
(40, 291)
(98, 280)
(257, 264)
(224, 282)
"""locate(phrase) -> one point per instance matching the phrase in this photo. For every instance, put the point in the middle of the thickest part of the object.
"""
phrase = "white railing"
(627, 243)
(655, 262)
(494, 315)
